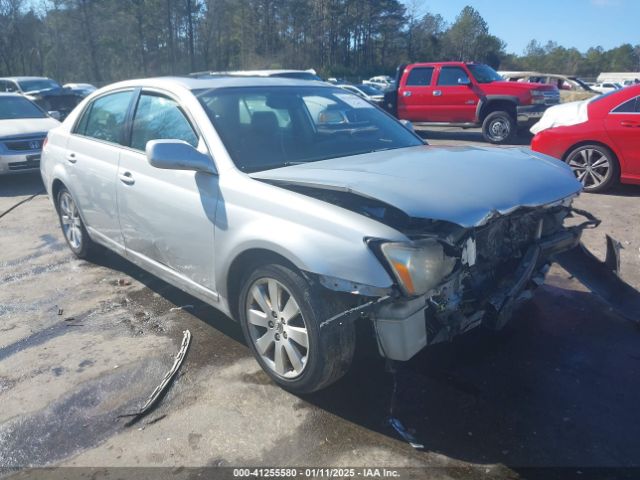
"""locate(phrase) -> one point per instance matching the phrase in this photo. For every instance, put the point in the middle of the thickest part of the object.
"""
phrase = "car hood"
(26, 126)
(463, 185)
(504, 85)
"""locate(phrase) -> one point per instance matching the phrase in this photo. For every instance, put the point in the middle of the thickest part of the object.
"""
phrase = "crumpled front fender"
(602, 278)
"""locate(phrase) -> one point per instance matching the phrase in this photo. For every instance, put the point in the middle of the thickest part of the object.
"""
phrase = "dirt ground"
(81, 343)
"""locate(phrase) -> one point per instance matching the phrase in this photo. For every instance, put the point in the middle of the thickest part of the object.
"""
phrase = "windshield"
(484, 73)
(12, 108)
(369, 90)
(272, 127)
(39, 84)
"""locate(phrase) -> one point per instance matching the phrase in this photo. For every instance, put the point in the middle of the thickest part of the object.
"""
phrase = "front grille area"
(33, 161)
(23, 145)
(551, 97)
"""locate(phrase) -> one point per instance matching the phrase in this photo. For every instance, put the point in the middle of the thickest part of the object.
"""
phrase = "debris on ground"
(60, 311)
(183, 307)
(124, 282)
(404, 433)
(161, 389)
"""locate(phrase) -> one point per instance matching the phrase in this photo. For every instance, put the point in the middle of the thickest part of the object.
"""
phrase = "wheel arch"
(497, 104)
(245, 262)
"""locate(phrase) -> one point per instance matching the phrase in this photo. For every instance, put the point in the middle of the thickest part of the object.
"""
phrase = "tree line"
(101, 41)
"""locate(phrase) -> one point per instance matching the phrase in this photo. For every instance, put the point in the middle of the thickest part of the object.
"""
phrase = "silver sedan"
(298, 209)
(23, 128)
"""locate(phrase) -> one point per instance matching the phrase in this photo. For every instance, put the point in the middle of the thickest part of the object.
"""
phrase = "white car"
(383, 82)
(605, 87)
(368, 92)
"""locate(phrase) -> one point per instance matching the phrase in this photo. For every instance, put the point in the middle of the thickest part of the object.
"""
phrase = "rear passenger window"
(160, 118)
(449, 76)
(104, 118)
(420, 77)
(630, 106)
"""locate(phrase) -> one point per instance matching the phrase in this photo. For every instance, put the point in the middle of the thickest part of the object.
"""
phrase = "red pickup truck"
(468, 95)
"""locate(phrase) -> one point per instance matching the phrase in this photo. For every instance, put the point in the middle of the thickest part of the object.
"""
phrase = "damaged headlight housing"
(418, 266)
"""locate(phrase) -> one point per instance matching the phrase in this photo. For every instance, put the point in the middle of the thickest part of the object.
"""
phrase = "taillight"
(44, 143)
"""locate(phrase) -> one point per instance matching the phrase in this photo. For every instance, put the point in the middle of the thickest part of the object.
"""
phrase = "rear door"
(623, 126)
(91, 160)
(167, 216)
(453, 102)
(415, 95)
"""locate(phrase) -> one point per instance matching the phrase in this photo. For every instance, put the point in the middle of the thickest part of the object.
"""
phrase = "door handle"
(406, 93)
(71, 158)
(629, 124)
(437, 93)
(127, 178)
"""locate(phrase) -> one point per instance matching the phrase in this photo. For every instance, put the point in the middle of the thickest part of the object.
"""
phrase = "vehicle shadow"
(462, 135)
(558, 387)
(21, 185)
(548, 391)
(622, 190)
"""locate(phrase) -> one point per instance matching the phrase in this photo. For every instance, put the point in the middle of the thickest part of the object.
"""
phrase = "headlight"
(537, 96)
(418, 266)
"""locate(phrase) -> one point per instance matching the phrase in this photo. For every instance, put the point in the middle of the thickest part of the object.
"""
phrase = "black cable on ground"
(20, 203)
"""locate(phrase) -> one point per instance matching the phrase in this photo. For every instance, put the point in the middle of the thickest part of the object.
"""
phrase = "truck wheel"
(498, 127)
(280, 314)
(595, 166)
(73, 228)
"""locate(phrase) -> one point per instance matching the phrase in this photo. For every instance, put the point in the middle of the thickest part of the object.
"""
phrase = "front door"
(166, 216)
(452, 101)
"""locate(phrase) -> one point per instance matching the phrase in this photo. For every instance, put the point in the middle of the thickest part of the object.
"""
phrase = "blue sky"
(571, 23)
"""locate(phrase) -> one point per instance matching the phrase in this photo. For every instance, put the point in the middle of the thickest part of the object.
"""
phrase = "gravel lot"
(81, 343)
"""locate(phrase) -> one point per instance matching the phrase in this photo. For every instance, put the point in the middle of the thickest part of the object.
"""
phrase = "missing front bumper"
(602, 278)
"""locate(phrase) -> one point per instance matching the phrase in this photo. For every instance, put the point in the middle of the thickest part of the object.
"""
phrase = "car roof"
(251, 73)
(18, 79)
(204, 83)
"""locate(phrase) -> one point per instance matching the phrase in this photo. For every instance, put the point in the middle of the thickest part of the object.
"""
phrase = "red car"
(599, 138)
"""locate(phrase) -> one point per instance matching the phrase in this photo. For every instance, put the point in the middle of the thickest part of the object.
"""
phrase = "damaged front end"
(478, 276)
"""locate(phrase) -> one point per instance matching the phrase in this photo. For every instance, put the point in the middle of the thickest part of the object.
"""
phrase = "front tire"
(280, 315)
(595, 166)
(72, 226)
(499, 127)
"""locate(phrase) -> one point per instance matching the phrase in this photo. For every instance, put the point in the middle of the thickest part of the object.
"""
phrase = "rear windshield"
(272, 127)
(12, 108)
(35, 85)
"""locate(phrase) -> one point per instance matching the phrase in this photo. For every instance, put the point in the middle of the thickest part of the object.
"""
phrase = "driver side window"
(160, 118)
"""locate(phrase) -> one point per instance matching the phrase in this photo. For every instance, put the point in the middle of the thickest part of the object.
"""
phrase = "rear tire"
(499, 127)
(72, 226)
(595, 166)
(285, 335)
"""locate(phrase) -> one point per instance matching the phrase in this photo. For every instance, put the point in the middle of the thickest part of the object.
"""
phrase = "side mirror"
(408, 125)
(54, 114)
(464, 81)
(178, 155)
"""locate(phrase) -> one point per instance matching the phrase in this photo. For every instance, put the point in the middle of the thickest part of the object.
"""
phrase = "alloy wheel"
(277, 328)
(591, 166)
(71, 222)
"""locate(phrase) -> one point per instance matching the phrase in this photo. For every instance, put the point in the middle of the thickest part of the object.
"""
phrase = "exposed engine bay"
(495, 266)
